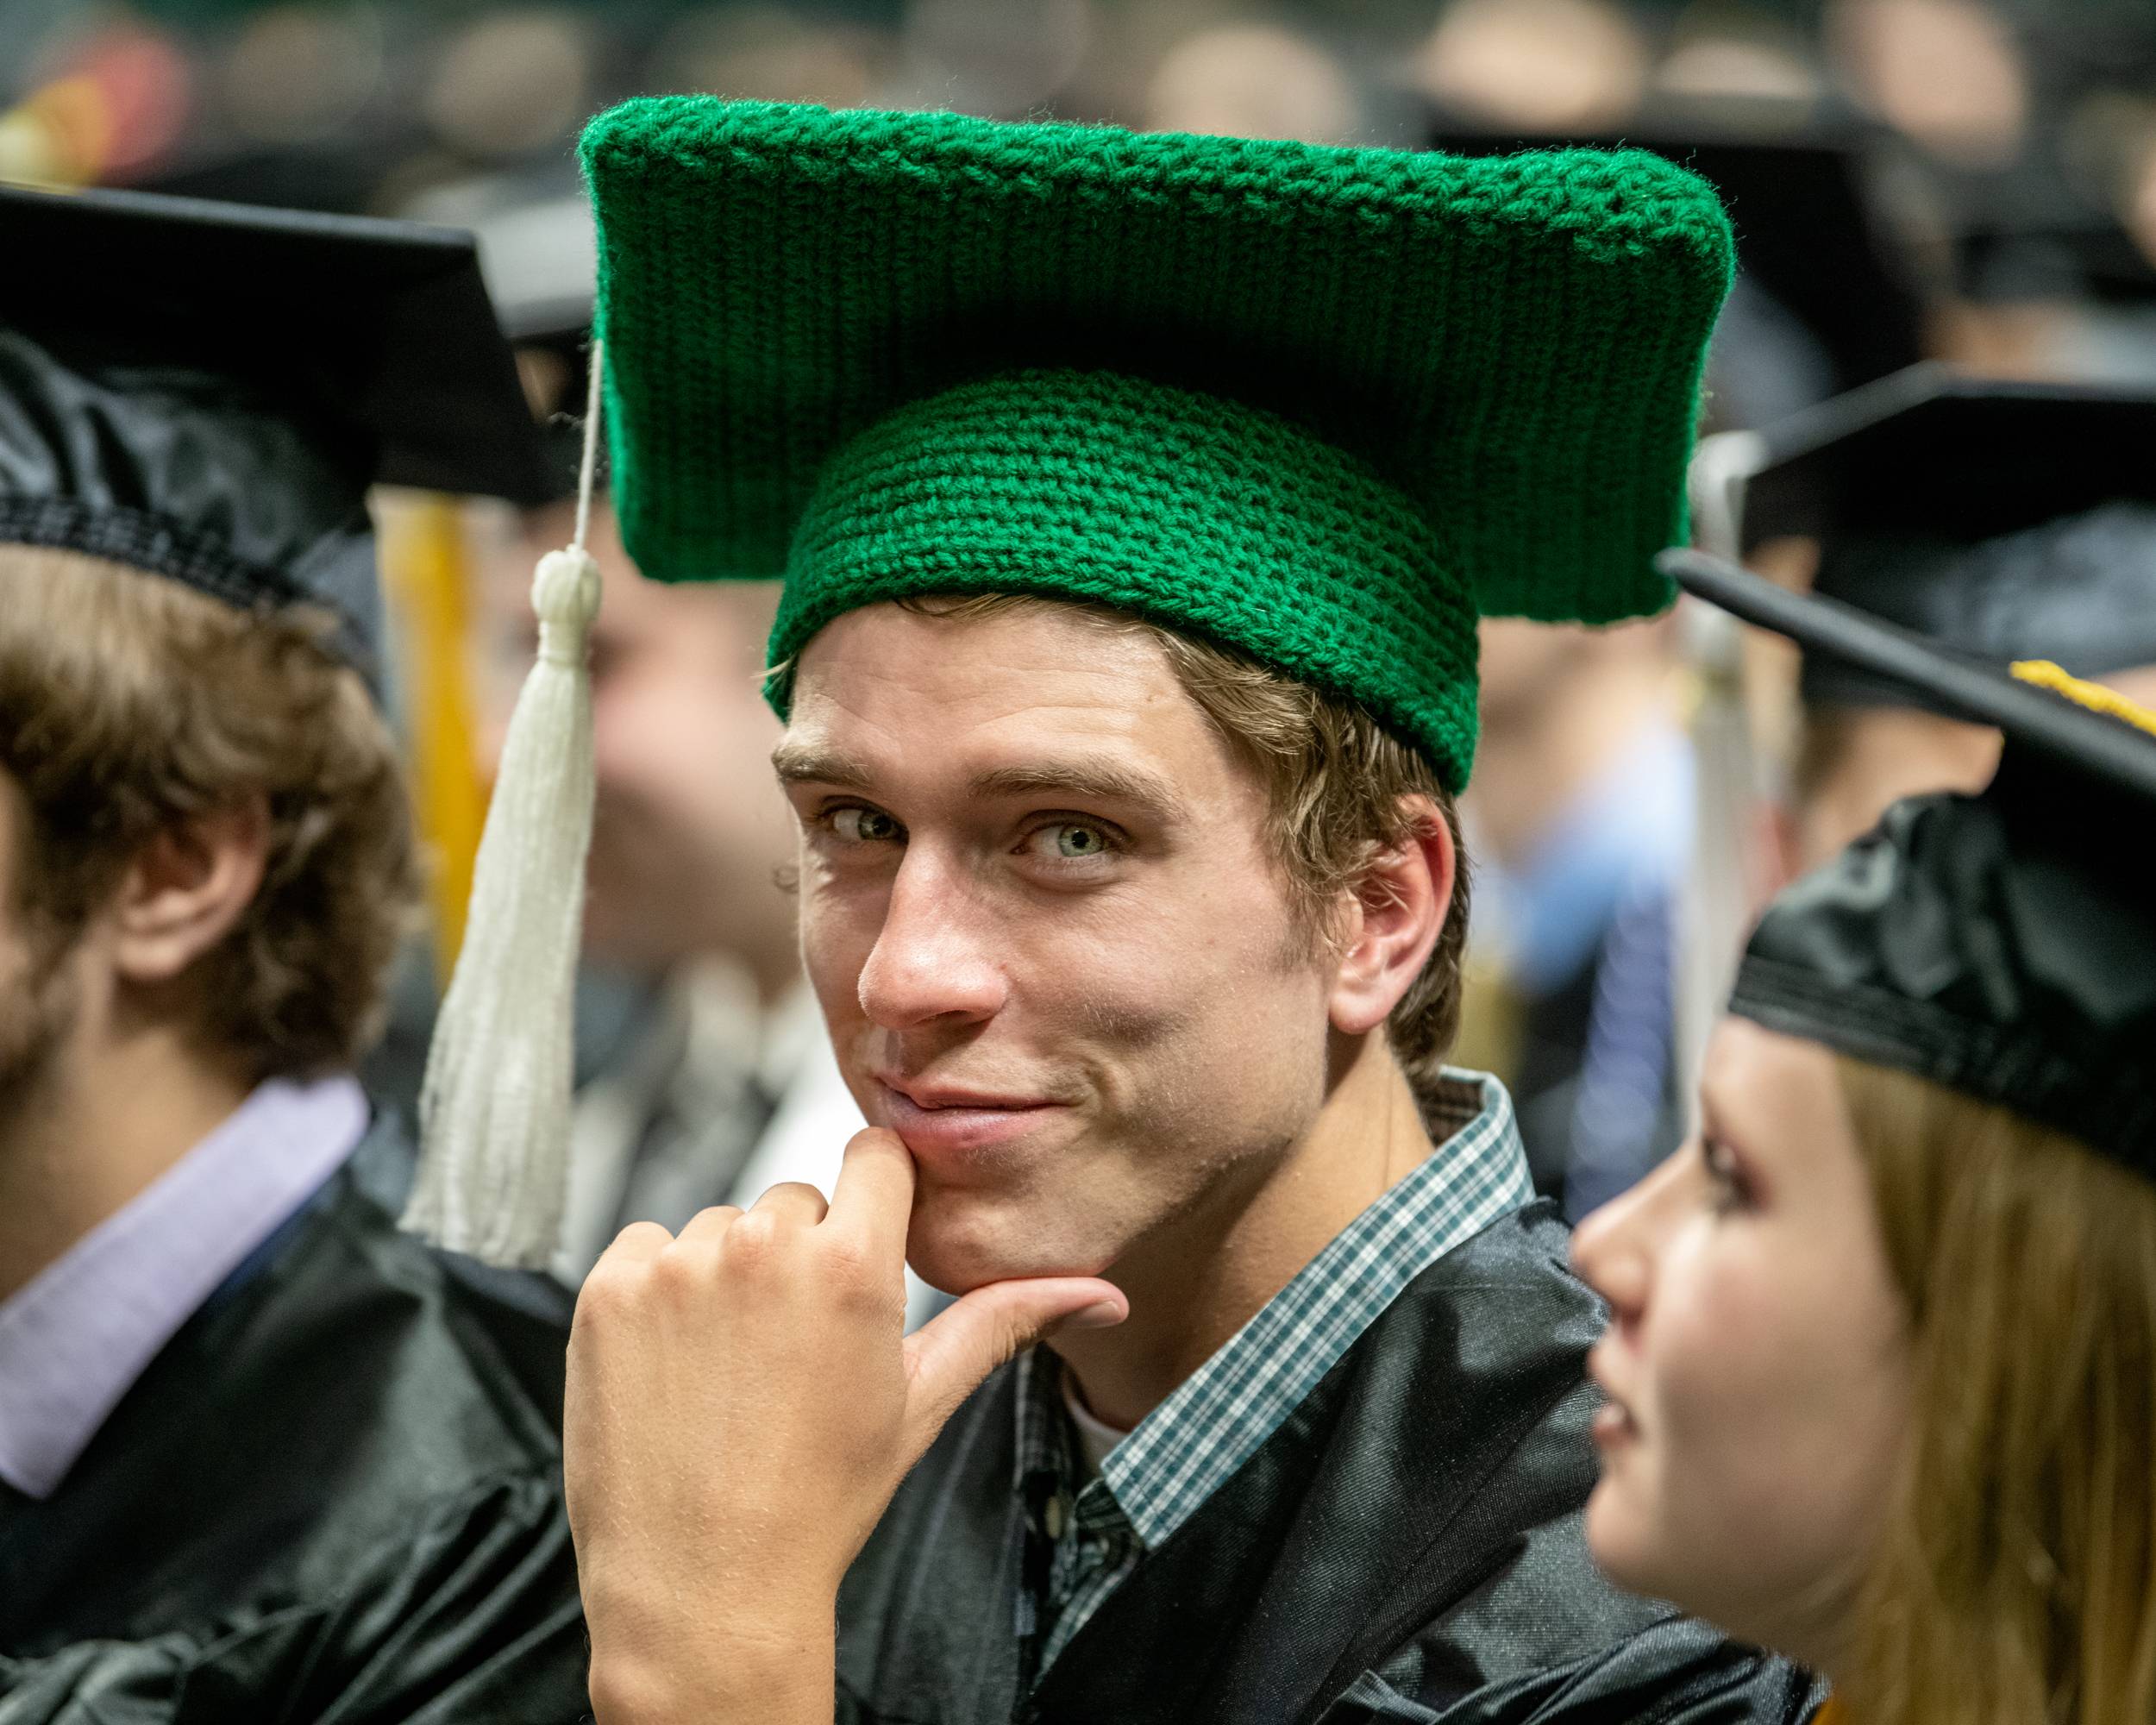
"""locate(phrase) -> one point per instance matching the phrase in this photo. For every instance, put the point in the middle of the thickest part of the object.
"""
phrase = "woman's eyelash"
(1732, 1190)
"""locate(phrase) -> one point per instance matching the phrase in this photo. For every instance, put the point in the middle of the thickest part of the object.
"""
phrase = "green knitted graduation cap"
(1328, 405)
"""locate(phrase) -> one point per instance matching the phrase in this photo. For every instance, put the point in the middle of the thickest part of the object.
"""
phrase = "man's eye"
(1071, 841)
(864, 825)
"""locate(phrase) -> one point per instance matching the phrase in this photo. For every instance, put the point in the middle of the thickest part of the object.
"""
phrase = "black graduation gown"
(335, 1497)
(1406, 1547)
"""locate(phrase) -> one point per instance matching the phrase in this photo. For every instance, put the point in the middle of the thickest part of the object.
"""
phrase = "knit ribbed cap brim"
(1514, 343)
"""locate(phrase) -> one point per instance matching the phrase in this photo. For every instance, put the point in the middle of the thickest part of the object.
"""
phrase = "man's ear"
(187, 888)
(1401, 903)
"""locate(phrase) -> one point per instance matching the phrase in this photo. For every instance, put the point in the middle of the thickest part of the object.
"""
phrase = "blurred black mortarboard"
(2035, 231)
(207, 391)
(1813, 240)
(552, 359)
(2003, 945)
(2008, 520)
(539, 253)
(2074, 255)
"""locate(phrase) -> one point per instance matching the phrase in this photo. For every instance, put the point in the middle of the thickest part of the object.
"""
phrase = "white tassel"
(494, 1109)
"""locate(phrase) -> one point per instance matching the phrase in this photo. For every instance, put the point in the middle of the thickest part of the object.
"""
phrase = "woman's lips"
(1612, 1423)
(960, 1124)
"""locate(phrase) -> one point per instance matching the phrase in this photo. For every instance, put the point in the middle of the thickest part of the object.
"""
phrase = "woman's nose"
(1612, 1248)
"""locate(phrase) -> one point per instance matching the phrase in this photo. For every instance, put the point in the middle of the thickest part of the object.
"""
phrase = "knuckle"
(859, 1284)
(609, 1291)
(678, 1273)
(850, 1271)
(639, 1234)
(754, 1241)
(848, 1260)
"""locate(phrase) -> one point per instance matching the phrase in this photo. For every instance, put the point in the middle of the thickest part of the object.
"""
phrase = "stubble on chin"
(959, 1240)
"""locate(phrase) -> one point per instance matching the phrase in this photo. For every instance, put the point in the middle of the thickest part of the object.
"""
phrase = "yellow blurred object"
(426, 570)
(2094, 696)
(61, 136)
(1493, 1018)
(31, 154)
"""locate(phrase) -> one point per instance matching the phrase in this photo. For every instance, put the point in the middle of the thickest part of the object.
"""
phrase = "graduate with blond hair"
(1881, 1359)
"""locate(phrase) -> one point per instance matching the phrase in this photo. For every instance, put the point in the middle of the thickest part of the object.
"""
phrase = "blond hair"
(2014, 1580)
(1340, 789)
(127, 702)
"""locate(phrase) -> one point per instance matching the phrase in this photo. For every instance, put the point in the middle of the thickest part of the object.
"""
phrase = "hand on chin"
(746, 1387)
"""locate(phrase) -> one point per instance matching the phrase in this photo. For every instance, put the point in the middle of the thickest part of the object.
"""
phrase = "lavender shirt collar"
(74, 1339)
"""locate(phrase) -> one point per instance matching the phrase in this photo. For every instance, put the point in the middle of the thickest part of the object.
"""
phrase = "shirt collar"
(76, 1336)
(1217, 1417)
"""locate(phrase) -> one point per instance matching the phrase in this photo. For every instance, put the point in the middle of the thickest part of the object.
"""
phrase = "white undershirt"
(1096, 1437)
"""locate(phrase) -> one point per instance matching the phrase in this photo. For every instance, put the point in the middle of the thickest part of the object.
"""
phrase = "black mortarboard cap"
(2036, 230)
(2009, 520)
(539, 253)
(206, 391)
(2076, 255)
(2001, 944)
(1810, 233)
(554, 352)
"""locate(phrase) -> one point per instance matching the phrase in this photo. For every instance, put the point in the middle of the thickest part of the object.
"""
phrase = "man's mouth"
(946, 1119)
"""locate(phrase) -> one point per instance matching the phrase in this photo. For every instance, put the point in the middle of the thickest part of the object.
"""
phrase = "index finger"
(873, 1196)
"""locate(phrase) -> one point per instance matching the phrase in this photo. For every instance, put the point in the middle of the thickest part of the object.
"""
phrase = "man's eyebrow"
(1085, 780)
(796, 763)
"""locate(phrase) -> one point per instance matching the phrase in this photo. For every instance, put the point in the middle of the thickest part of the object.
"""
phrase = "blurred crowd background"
(1970, 182)
(2009, 147)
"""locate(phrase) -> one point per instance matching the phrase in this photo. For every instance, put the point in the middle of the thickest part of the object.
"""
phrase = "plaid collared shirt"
(1085, 1534)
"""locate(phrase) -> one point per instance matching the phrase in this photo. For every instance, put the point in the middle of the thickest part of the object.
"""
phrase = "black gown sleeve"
(1677, 1672)
(471, 1618)
(96, 1683)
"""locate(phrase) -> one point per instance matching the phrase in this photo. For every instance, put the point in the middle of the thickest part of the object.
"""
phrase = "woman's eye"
(1731, 1191)
(864, 825)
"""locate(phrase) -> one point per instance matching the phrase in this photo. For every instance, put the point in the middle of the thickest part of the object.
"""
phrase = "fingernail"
(1098, 1317)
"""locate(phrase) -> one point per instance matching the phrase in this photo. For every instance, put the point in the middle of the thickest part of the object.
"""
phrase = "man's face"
(1054, 949)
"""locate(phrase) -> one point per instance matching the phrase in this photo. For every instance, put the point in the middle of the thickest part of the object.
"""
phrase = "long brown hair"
(2015, 1581)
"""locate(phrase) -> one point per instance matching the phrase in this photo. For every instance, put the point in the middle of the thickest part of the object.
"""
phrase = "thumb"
(947, 1359)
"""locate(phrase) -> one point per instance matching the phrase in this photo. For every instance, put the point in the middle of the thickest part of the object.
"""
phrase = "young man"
(2008, 520)
(261, 1456)
(1136, 498)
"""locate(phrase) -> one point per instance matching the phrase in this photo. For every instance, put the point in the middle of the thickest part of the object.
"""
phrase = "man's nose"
(936, 955)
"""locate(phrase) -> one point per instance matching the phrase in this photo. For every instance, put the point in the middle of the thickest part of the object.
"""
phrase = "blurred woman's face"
(1757, 1359)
